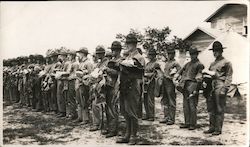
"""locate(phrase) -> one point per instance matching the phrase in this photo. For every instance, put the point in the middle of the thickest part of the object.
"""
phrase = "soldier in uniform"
(81, 88)
(151, 70)
(52, 81)
(112, 90)
(5, 81)
(40, 101)
(45, 85)
(14, 87)
(169, 95)
(191, 76)
(108, 55)
(97, 89)
(61, 101)
(24, 80)
(221, 73)
(69, 85)
(132, 71)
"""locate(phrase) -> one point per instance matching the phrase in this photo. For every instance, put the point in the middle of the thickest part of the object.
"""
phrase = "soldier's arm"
(198, 76)
(179, 73)
(111, 71)
(177, 66)
(229, 74)
(89, 68)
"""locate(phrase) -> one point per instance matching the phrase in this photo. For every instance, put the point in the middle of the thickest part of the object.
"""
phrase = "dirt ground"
(24, 127)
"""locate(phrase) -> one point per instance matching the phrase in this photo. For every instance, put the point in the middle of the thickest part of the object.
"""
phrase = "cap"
(217, 46)
(171, 51)
(193, 50)
(116, 45)
(99, 49)
(152, 52)
(131, 38)
(83, 50)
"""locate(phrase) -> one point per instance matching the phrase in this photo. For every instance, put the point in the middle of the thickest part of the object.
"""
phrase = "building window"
(221, 24)
(244, 26)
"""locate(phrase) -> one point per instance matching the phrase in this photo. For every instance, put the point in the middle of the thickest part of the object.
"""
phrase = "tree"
(136, 32)
(157, 39)
(180, 44)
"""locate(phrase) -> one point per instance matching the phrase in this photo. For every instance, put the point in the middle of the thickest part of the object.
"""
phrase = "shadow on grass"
(38, 126)
(196, 141)
(149, 135)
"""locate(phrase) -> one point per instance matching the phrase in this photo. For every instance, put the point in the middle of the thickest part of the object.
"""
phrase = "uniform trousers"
(216, 108)
(169, 100)
(190, 103)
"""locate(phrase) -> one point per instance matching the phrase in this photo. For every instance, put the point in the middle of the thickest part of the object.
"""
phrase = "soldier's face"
(116, 52)
(69, 57)
(81, 56)
(100, 55)
(130, 46)
(151, 57)
(78, 55)
(77, 58)
(217, 53)
(61, 57)
(194, 56)
(171, 56)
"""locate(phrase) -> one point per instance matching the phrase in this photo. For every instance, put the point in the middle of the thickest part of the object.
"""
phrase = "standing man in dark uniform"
(191, 75)
(53, 82)
(61, 101)
(221, 72)
(82, 90)
(112, 89)
(132, 71)
(70, 86)
(149, 81)
(97, 89)
(169, 95)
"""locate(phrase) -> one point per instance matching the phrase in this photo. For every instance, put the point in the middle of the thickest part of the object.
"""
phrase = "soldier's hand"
(223, 91)
(206, 71)
(204, 84)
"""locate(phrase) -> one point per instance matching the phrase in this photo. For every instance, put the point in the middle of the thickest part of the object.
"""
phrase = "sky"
(34, 27)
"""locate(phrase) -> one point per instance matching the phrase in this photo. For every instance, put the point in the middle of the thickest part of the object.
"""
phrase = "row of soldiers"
(73, 86)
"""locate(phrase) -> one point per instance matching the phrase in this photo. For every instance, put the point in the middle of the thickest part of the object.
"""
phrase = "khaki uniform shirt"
(169, 67)
(223, 73)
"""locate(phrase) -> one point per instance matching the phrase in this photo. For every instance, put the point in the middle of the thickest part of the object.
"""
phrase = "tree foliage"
(157, 39)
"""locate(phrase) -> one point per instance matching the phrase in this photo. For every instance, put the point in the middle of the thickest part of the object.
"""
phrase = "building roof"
(222, 8)
(209, 31)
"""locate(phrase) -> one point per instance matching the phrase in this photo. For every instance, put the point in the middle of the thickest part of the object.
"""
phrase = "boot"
(111, 134)
(132, 140)
(210, 130)
(123, 140)
(184, 126)
(215, 133)
(170, 122)
(128, 132)
(191, 127)
(94, 128)
(134, 128)
(163, 121)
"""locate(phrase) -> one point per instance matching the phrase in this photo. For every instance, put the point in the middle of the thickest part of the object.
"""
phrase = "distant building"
(202, 37)
(230, 17)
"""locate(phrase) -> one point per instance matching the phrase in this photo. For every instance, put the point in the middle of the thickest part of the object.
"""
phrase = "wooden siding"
(231, 17)
(200, 39)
